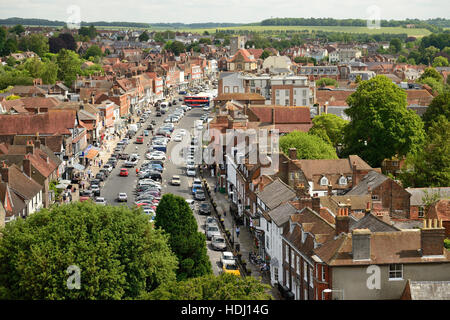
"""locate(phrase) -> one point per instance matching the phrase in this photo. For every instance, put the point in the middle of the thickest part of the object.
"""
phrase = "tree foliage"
(69, 66)
(381, 126)
(323, 82)
(332, 125)
(119, 254)
(430, 167)
(211, 287)
(144, 37)
(440, 105)
(174, 216)
(176, 47)
(309, 146)
(38, 43)
(93, 51)
(90, 31)
(62, 41)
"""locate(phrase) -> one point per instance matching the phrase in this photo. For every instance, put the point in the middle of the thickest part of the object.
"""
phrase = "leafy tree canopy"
(332, 125)
(119, 254)
(381, 126)
(308, 146)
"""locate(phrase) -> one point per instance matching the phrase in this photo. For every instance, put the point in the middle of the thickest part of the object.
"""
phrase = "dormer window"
(342, 180)
(324, 181)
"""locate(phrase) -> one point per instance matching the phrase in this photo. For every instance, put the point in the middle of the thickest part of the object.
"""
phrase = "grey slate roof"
(276, 193)
(369, 221)
(418, 193)
(429, 290)
(373, 179)
(280, 215)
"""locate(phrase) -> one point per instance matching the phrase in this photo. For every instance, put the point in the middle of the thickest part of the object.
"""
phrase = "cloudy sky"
(237, 11)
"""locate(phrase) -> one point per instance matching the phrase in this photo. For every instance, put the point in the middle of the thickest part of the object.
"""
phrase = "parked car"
(210, 221)
(123, 156)
(122, 197)
(101, 176)
(199, 195)
(231, 268)
(178, 138)
(95, 190)
(227, 258)
(100, 200)
(176, 180)
(212, 231)
(108, 167)
(191, 172)
(123, 172)
(204, 209)
(218, 243)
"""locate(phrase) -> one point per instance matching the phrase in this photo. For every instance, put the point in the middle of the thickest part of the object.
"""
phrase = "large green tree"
(69, 66)
(144, 37)
(211, 287)
(440, 105)
(35, 42)
(381, 126)
(308, 146)
(118, 252)
(332, 125)
(93, 51)
(174, 216)
(430, 167)
(176, 47)
(395, 45)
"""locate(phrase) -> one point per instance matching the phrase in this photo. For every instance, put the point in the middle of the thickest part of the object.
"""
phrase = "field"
(411, 32)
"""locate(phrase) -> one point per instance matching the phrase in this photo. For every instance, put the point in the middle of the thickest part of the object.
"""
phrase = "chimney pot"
(292, 153)
(432, 237)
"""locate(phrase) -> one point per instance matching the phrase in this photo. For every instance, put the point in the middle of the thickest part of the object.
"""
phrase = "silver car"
(212, 231)
(218, 243)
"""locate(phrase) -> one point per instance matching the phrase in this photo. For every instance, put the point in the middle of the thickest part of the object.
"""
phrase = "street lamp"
(331, 290)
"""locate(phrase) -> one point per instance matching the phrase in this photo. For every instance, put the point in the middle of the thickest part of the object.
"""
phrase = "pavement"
(245, 239)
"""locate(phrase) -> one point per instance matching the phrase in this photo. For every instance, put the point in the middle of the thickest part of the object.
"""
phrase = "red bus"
(196, 101)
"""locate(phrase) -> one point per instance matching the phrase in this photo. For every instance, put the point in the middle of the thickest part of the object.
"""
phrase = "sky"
(233, 11)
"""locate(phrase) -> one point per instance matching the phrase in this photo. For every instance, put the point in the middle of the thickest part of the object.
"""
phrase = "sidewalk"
(245, 239)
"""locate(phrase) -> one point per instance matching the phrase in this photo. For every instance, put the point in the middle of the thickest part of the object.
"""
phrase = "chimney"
(29, 147)
(342, 221)
(330, 190)
(292, 153)
(432, 237)
(27, 167)
(316, 204)
(361, 244)
(4, 172)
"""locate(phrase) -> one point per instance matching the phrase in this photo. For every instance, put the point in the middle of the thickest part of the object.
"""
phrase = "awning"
(92, 153)
(78, 167)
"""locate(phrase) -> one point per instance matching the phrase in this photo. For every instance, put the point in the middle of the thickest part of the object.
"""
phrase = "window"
(295, 92)
(286, 102)
(304, 102)
(342, 180)
(267, 242)
(287, 253)
(298, 265)
(277, 93)
(421, 211)
(235, 89)
(304, 92)
(394, 163)
(275, 274)
(305, 294)
(375, 197)
(227, 89)
(323, 272)
(286, 93)
(277, 102)
(395, 272)
(324, 181)
(292, 259)
(305, 271)
(311, 276)
(295, 102)
(292, 175)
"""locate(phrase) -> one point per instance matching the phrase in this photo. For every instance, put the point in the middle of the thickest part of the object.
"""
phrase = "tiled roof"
(54, 122)
(440, 210)
(283, 115)
(247, 56)
(280, 215)
(333, 97)
(371, 222)
(21, 184)
(429, 290)
(240, 97)
(385, 248)
(6, 194)
(275, 193)
(417, 194)
(372, 179)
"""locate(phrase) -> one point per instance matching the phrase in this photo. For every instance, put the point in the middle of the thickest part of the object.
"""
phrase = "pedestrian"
(215, 188)
(137, 170)
(237, 232)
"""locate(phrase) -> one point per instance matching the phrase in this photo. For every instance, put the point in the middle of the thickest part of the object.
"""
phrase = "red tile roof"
(283, 115)
(52, 122)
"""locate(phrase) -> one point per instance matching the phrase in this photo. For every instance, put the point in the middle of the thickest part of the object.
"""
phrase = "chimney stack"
(361, 244)
(330, 190)
(292, 153)
(342, 221)
(316, 204)
(432, 237)
(27, 167)
(4, 172)
(29, 147)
